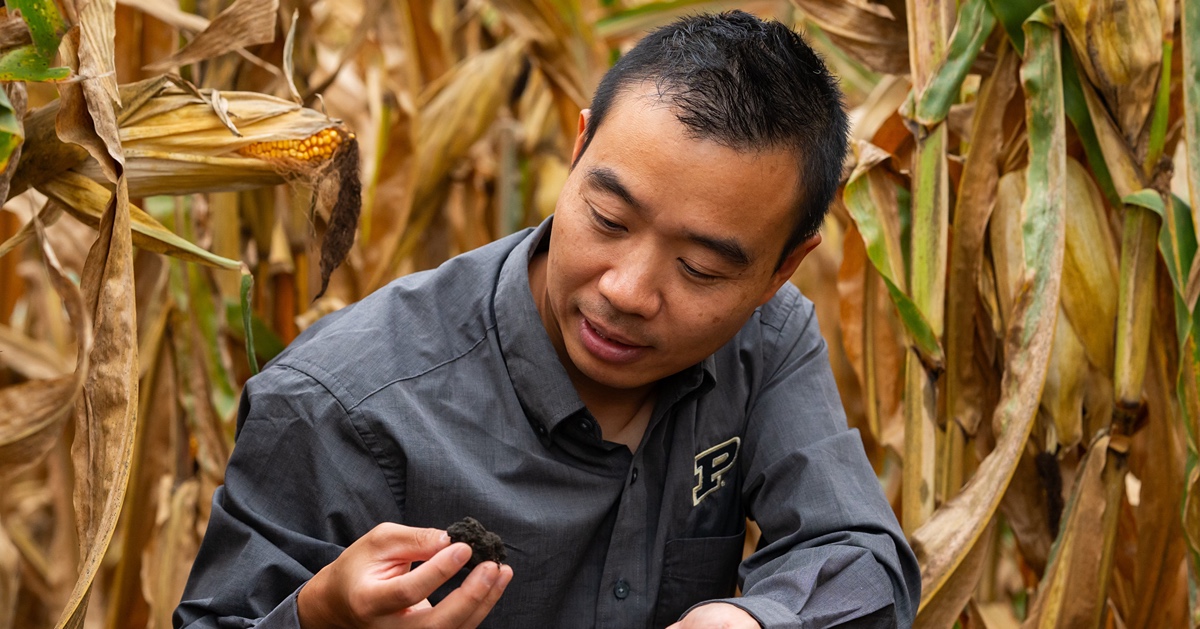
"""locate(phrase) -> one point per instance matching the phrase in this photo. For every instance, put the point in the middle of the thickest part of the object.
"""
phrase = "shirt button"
(585, 426)
(541, 430)
(633, 476)
(621, 591)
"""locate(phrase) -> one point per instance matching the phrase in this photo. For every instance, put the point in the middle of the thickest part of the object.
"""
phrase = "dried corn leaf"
(31, 358)
(32, 413)
(945, 610)
(106, 414)
(10, 580)
(1073, 591)
(170, 13)
(874, 33)
(976, 196)
(86, 200)
(944, 542)
(1120, 47)
(1127, 175)
(243, 23)
(1191, 509)
(86, 115)
(173, 546)
(1027, 506)
(562, 41)
(881, 104)
(455, 114)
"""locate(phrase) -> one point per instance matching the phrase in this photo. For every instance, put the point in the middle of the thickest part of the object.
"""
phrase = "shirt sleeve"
(301, 485)
(832, 552)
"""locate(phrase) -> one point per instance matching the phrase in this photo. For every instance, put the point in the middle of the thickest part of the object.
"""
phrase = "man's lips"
(611, 336)
(609, 347)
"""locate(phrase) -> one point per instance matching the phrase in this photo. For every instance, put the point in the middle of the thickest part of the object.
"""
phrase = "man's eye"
(700, 275)
(604, 223)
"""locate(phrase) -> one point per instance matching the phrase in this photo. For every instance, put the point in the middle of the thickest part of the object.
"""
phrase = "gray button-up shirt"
(441, 396)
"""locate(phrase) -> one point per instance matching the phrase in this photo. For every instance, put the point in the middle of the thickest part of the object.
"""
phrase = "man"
(613, 393)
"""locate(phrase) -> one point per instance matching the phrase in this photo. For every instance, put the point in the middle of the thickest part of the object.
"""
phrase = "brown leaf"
(10, 580)
(1073, 591)
(1025, 509)
(31, 358)
(975, 199)
(86, 115)
(875, 33)
(174, 545)
(1157, 457)
(32, 413)
(170, 13)
(244, 23)
(943, 610)
(454, 114)
(87, 201)
(106, 414)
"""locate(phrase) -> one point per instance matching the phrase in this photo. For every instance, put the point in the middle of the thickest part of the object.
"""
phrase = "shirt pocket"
(694, 570)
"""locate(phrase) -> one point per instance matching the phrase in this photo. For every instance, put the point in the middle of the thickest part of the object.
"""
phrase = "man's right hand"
(371, 585)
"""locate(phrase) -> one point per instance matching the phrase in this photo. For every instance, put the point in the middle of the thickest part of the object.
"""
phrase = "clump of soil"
(485, 545)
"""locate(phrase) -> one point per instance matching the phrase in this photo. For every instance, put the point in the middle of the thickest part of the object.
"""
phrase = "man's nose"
(630, 285)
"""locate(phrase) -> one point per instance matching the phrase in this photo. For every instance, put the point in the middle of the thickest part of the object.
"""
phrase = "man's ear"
(584, 116)
(789, 266)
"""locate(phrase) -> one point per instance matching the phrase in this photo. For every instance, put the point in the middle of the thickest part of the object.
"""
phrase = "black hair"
(749, 85)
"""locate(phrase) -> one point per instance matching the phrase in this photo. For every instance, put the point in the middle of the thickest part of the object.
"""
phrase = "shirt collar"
(541, 382)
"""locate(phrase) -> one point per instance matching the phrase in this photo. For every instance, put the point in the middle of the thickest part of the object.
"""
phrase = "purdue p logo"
(711, 465)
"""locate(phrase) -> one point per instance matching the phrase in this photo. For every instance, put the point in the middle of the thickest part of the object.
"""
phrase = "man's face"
(662, 246)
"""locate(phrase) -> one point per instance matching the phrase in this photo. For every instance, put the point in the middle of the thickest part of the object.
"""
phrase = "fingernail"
(444, 539)
(462, 553)
(491, 572)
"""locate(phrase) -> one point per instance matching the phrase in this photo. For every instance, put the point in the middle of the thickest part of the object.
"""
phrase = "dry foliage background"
(1008, 283)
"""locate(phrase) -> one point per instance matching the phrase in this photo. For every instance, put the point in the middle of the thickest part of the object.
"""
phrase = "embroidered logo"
(711, 466)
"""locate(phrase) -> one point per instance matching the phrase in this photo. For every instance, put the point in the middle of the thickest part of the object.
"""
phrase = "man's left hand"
(717, 616)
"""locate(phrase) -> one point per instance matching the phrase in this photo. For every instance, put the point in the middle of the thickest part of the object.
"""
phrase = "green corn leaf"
(975, 23)
(247, 324)
(46, 25)
(1148, 199)
(1162, 108)
(1012, 15)
(1077, 111)
(26, 64)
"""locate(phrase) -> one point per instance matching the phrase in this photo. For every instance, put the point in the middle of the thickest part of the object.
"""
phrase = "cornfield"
(1007, 285)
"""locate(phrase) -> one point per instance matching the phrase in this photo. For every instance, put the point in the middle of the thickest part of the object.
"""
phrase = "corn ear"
(1119, 45)
(1089, 295)
(176, 143)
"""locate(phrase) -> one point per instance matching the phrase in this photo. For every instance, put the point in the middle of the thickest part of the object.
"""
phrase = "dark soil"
(486, 546)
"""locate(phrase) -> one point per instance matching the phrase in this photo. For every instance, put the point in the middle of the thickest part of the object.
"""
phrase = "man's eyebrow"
(727, 248)
(606, 180)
